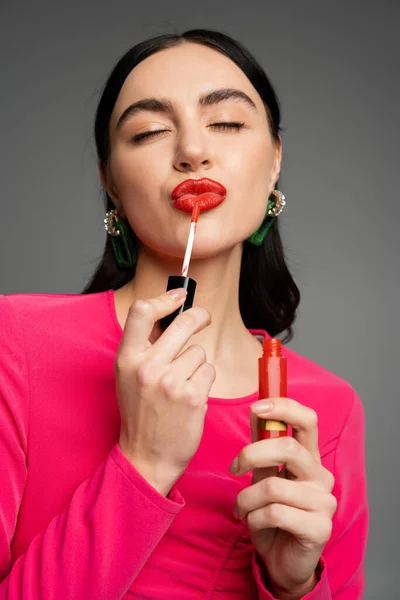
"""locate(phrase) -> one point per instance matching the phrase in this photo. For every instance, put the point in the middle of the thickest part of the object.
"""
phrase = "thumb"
(143, 315)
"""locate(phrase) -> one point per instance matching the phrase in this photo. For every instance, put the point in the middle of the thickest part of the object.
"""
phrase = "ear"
(276, 169)
(108, 185)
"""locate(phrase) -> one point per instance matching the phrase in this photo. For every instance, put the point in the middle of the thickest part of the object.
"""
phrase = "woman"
(117, 481)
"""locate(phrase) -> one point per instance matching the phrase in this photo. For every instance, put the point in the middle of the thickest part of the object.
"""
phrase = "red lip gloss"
(206, 201)
(206, 192)
(272, 373)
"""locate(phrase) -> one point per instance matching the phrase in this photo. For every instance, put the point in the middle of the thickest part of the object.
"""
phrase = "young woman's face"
(144, 171)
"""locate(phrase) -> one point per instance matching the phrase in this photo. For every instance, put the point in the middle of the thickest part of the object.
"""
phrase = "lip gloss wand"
(182, 280)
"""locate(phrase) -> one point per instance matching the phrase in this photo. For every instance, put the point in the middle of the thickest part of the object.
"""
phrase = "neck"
(217, 291)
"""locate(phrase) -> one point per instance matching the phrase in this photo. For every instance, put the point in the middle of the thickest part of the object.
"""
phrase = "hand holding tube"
(162, 397)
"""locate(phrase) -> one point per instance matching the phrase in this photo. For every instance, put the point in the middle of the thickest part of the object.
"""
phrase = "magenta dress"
(77, 521)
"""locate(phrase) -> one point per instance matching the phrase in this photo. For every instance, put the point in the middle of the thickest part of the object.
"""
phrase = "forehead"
(182, 73)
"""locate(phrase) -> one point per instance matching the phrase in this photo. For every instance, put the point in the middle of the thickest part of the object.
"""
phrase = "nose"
(192, 152)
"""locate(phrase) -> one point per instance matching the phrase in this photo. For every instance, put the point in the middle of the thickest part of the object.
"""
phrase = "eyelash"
(146, 134)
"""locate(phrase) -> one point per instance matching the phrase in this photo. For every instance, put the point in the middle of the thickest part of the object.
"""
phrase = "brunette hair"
(268, 295)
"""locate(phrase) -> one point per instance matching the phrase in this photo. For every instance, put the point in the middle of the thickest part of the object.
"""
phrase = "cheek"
(137, 174)
(140, 179)
(250, 167)
(249, 175)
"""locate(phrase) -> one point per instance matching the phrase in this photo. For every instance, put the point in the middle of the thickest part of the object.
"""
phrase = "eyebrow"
(165, 106)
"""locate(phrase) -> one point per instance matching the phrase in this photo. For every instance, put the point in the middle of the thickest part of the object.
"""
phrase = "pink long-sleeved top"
(77, 521)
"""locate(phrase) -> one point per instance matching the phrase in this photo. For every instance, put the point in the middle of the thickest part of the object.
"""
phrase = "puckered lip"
(198, 186)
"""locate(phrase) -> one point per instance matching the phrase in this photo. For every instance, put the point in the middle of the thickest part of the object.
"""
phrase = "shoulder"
(51, 328)
(41, 303)
(14, 379)
(38, 314)
(332, 397)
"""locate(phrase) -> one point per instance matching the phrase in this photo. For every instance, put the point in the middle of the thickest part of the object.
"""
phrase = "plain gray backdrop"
(335, 67)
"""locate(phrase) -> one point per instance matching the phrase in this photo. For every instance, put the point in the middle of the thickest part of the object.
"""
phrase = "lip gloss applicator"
(272, 372)
(182, 280)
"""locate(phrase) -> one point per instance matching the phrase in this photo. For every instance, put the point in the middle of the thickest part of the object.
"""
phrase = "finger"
(304, 421)
(286, 450)
(283, 491)
(185, 365)
(261, 473)
(177, 334)
(181, 369)
(185, 377)
(142, 316)
(203, 378)
(310, 527)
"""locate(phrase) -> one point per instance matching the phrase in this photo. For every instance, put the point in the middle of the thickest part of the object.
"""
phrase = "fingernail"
(262, 406)
(177, 293)
(234, 468)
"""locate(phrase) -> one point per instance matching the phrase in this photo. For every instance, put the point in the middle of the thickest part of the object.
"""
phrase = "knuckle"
(271, 487)
(241, 502)
(204, 314)
(199, 352)
(325, 531)
(245, 457)
(273, 514)
(330, 478)
(252, 520)
(168, 384)
(312, 418)
(212, 370)
(143, 308)
(191, 395)
(121, 363)
(192, 317)
(145, 374)
(332, 504)
(290, 446)
(200, 312)
(184, 320)
(125, 362)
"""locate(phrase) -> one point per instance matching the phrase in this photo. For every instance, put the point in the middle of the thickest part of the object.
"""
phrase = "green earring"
(274, 208)
(122, 240)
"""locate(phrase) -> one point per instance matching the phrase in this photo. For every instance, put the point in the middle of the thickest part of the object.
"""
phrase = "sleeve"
(341, 569)
(98, 544)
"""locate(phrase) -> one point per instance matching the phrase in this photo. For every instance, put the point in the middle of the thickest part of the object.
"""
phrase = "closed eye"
(146, 134)
(219, 126)
(227, 125)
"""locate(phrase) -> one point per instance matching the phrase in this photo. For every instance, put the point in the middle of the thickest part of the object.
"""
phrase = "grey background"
(335, 67)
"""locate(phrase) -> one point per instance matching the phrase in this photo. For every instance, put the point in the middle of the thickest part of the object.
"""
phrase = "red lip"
(207, 192)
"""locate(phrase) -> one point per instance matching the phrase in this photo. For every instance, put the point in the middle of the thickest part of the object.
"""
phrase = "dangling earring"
(122, 239)
(274, 208)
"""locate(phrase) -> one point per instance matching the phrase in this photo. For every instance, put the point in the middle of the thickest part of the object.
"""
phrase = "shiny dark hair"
(268, 295)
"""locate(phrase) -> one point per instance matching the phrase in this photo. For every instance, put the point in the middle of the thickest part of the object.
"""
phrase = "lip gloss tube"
(272, 372)
(177, 281)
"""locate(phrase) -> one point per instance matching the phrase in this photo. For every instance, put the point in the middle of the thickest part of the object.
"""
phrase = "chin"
(206, 245)
(213, 247)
